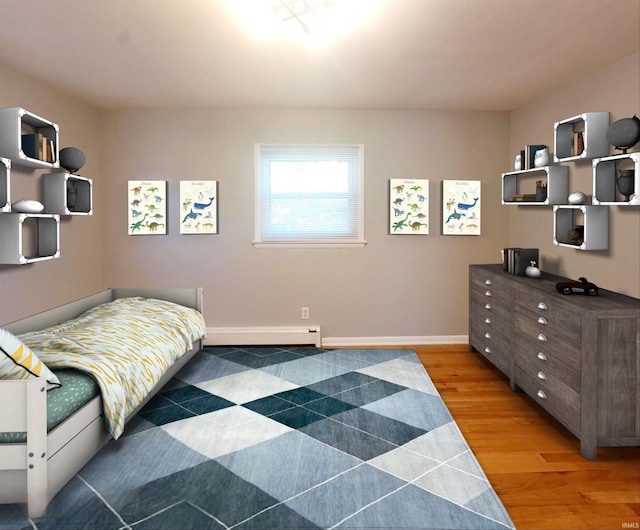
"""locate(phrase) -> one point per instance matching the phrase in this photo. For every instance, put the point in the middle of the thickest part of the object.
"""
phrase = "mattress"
(77, 390)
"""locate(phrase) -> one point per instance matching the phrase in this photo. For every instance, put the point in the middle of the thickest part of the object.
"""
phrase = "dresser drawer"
(496, 348)
(491, 286)
(561, 402)
(532, 335)
(495, 308)
(560, 315)
(551, 367)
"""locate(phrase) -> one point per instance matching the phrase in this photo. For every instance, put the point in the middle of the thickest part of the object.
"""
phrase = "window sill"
(263, 244)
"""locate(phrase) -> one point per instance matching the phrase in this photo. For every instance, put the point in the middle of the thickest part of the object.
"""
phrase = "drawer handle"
(542, 337)
(487, 320)
(542, 356)
(487, 350)
(542, 376)
(542, 320)
(487, 293)
(487, 335)
(487, 306)
(542, 306)
(541, 394)
(488, 282)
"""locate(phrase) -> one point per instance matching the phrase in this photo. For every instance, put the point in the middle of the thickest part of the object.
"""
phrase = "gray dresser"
(577, 356)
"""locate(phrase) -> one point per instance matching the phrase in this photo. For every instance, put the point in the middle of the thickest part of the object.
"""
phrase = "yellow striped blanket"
(126, 345)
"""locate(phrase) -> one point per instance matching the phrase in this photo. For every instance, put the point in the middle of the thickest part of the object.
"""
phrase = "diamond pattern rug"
(284, 438)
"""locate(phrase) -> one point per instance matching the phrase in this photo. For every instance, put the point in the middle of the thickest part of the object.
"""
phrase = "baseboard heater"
(264, 336)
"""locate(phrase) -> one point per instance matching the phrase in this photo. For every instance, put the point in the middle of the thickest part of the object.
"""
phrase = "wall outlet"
(304, 313)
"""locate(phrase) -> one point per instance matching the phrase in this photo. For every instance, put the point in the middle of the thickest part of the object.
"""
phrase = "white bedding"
(126, 345)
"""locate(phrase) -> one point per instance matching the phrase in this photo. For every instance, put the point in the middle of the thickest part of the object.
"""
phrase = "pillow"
(17, 361)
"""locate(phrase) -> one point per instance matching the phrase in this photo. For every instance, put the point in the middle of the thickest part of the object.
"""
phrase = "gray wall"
(396, 286)
(617, 90)
(401, 287)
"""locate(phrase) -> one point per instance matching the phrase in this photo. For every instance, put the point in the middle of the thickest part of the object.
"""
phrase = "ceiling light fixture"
(305, 12)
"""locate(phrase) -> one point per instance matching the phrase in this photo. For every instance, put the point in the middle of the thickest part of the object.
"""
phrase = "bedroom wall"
(397, 286)
(28, 289)
(615, 89)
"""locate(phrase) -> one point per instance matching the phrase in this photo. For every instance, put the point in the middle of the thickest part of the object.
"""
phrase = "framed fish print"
(461, 207)
(147, 207)
(198, 207)
(409, 206)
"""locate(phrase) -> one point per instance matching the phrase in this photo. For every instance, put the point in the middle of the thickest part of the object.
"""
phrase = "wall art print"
(461, 207)
(147, 207)
(409, 206)
(198, 207)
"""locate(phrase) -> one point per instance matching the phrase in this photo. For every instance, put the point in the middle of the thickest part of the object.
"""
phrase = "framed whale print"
(198, 207)
(147, 207)
(409, 206)
(461, 207)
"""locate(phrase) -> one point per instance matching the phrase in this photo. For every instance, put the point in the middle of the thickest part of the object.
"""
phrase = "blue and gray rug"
(284, 438)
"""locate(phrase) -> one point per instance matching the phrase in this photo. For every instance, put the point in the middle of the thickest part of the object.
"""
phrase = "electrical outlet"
(304, 313)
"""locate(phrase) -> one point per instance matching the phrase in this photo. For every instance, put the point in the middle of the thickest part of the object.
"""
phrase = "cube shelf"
(67, 194)
(593, 221)
(26, 238)
(16, 122)
(556, 179)
(589, 130)
(605, 171)
(5, 185)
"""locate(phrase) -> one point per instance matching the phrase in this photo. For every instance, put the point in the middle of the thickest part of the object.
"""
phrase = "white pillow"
(17, 361)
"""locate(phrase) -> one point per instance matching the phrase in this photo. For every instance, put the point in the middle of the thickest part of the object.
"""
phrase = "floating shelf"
(594, 221)
(605, 170)
(26, 238)
(556, 179)
(16, 122)
(67, 194)
(590, 127)
(5, 185)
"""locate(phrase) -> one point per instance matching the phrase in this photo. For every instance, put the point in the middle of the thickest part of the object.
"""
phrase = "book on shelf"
(530, 154)
(38, 146)
(515, 259)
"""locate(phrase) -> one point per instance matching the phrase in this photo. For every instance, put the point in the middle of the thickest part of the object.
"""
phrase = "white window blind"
(309, 195)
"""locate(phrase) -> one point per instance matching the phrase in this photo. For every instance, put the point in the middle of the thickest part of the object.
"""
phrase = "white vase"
(541, 158)
(532, 271)
(517, 165)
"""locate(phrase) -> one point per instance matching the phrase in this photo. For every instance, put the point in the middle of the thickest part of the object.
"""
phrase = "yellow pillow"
(17, 361)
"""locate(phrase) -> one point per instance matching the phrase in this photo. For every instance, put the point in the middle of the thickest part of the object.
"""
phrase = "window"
(309, 195)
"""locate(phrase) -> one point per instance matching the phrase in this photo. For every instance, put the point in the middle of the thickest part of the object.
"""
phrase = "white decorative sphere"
(577, 197)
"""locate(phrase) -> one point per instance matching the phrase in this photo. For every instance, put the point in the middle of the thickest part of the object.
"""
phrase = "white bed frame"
(35, 471)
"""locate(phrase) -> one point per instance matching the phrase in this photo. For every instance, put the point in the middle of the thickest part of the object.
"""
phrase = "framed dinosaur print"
(461, 207)
(409, 207)
(198, 207)
(147, 207)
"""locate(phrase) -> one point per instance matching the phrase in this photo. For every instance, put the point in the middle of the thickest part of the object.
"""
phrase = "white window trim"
(305, 243)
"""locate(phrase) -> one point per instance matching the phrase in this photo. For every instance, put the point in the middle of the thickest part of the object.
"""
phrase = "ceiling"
(404, 54)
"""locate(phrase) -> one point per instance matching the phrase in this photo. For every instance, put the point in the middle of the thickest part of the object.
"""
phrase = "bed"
(37, 464)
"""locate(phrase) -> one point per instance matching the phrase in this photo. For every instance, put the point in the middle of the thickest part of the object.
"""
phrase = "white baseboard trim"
(336, 342)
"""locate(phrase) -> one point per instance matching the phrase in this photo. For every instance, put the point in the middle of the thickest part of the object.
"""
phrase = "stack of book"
(515, 260)
(39, 147)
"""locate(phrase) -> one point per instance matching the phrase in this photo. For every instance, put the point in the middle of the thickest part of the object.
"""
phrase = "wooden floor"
(533, 462)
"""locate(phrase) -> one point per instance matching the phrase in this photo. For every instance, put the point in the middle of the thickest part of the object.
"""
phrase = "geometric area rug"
(283, 438)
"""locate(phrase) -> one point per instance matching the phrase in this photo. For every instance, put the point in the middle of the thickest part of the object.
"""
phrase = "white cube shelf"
(593, 126)
(16, 121)
(556, 179)
(5, 185)
(26, 238)
(67, 194)
(605, 170)
(593, 219)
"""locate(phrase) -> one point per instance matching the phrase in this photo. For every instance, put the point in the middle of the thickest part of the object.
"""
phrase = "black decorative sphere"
(72, 159)
(624, 133)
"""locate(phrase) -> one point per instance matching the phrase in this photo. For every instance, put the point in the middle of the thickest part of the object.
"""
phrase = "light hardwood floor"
(531, 460)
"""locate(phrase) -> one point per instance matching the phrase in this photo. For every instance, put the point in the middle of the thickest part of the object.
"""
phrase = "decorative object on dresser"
(582, 285)
(532, 271)
(578, 356)
(516, 260)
